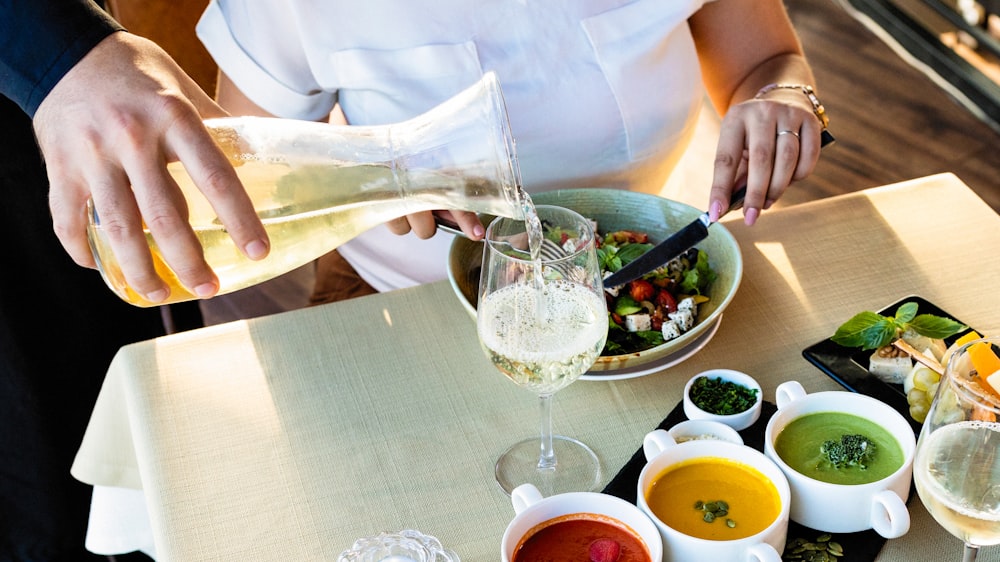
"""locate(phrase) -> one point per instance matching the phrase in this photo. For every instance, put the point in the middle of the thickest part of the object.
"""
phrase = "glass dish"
(405, 546)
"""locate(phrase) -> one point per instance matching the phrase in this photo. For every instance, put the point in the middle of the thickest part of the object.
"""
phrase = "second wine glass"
(543, 322)
(957, 465)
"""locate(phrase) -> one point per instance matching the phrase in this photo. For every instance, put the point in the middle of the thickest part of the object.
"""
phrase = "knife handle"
(736, 199)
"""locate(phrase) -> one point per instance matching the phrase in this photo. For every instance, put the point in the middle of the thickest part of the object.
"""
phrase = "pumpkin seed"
(823, 549)
(714, 510)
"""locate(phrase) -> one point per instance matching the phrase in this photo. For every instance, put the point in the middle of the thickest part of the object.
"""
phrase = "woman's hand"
(767, 138)
(424, 225)
(769, 143)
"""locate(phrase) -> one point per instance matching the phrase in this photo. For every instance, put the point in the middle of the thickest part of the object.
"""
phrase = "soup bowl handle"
(788, 392)
(763, 552)
(655, 442)
(889, 516)
(524, 496)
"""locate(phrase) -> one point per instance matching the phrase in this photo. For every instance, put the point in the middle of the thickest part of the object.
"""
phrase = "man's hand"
(107, 131)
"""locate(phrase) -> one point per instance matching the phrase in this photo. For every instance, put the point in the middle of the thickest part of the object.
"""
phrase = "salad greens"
(694, 279)
(657, 292)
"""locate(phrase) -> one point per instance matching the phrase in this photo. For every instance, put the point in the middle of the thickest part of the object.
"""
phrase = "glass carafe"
(317, 185)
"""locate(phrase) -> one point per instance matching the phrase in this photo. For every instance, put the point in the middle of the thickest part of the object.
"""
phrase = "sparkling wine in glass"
(543, 322)
(957, 464)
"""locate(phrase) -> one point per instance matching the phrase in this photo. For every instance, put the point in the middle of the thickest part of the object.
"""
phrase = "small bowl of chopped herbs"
(723, 395)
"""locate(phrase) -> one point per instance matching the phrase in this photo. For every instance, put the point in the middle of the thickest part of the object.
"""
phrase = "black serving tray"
(862, 546)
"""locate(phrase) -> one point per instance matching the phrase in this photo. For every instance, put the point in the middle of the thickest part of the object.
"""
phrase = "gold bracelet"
(806, 89)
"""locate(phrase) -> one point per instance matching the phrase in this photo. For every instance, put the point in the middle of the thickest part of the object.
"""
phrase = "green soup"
(800, 445)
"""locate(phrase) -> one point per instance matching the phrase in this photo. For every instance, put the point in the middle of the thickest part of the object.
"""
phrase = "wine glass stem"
(547, 458)
(970, 553)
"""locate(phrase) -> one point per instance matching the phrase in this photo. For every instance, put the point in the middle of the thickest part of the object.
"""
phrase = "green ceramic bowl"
(615, 209)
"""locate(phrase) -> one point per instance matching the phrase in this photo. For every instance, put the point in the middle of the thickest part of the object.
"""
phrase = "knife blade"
(683, 239)
(675, 245)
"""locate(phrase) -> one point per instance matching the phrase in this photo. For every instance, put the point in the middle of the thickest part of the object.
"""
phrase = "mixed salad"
(660, 306)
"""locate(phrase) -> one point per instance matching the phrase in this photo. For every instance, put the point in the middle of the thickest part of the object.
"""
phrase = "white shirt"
(599, 93)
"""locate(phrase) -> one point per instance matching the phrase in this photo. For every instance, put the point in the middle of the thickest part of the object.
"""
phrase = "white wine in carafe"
(315, 186)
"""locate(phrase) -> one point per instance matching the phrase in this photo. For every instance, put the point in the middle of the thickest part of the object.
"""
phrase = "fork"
(550, 250)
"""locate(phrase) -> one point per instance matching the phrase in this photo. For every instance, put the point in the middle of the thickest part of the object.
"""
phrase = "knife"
(672, 247)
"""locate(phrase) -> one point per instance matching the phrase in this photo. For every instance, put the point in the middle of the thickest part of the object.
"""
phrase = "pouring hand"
(107, 131)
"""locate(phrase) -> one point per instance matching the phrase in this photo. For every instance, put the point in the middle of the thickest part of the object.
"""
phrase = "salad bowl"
(616, 210)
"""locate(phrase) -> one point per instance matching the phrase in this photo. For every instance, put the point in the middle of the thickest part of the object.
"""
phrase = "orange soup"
(714, 498)
(568, 538)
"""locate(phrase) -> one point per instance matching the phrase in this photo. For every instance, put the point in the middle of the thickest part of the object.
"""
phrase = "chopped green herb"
(851, 450)
(722, 397)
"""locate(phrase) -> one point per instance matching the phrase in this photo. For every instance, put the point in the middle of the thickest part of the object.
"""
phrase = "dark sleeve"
(40, 40)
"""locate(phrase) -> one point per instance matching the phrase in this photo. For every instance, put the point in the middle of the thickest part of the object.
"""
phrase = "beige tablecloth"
(287, 437)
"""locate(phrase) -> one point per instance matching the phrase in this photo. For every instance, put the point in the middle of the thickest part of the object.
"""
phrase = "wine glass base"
(577, 467)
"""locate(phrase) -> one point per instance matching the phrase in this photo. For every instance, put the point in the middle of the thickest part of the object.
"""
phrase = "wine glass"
(957, 464)
(543, 322)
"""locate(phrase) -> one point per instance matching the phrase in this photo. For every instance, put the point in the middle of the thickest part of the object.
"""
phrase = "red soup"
(570, 538)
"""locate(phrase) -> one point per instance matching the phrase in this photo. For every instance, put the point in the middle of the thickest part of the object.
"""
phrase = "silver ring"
(793, 133)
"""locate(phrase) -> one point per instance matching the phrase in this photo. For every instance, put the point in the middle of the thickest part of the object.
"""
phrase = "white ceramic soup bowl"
(662, 453)
(845, 508)
(532, 510)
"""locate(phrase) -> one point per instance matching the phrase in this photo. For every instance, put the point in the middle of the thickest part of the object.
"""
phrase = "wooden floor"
(892, 122)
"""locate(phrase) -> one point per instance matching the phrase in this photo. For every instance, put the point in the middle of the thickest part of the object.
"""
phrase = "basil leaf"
(630, 252)
(936, 327)
(879, 335)
(867, 330)
(906, 312)
(608, 258)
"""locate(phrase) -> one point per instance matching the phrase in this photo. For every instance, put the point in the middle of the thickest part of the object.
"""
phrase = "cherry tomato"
(641, 290)
(666, 300)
